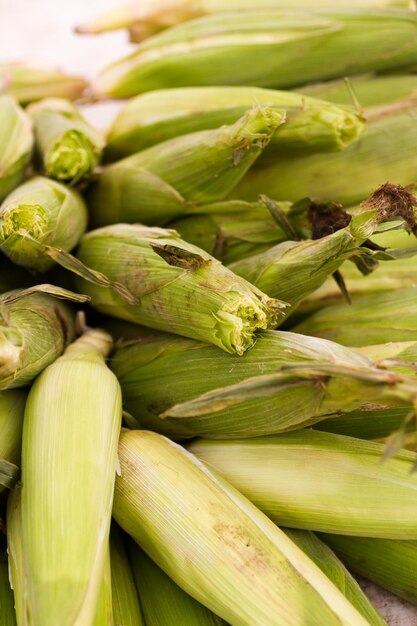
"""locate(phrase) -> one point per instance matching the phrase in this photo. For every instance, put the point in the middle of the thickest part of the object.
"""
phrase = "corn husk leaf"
(38, 214)
(7, 612)
(126, 607)
(161, 183)
(12, 405)
(104, 611)
(69, 148)
(213, 543)
(16, 143)
(283, 476)
(310, 126)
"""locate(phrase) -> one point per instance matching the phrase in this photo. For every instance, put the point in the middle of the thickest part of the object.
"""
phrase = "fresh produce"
(12, 406)
(16, 143)
(7, 612)
(126, 607)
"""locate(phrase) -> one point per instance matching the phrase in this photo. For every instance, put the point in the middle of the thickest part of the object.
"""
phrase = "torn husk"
(16, 143)
(38, 215)
(68, 147)
(161, 183)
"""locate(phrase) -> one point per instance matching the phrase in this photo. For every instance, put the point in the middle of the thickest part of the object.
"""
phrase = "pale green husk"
(163, 182)
(215, 544)
(321, 481)
(7, 612)
(12, 406)
(126, 607)
(311, 125)
(69, 148)
(16, 143)
(174, 286)
(68, 482)
(40, 213)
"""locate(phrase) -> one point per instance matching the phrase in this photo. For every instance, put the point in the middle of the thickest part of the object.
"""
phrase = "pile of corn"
(208, 400)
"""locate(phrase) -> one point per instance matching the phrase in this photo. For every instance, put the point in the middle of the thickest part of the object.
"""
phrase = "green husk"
(7, 612)
(321, 481)
(68, 482)
(163, 182)
(69, 148)
(387, 562)
(35, 328)
(40, 213)
(28, 83)
(183, 388)
(370, 319)
(334, 569)
(174, 286)
(126, 607)
(215, 544)
(16, 555)
(386, 151)
(163, 602)
(310, 125)
(104, 611)
(257, 48)
(16, 143)
(12, 406)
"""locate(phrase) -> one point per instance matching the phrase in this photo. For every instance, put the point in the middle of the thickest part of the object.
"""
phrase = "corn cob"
(179, 287)
(126, 608)
(28, 83)
(385, 152)
(215, 545)
(148, 18)
(159, 184)
(65, 530)
(370, 319)
(163, 602)
(282, 475)
(265, 49)
(69, 148)
(16, 143)
(389, 563)
(35, 329)
(310, 125)
(39, 214)
(334, 569)
(7, 612)
(286, 381)
(12, 406)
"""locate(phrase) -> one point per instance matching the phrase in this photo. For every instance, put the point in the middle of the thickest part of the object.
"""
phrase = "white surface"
(42, 31)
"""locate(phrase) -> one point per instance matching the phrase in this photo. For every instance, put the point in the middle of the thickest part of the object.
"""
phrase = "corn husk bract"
(126, 607)
(16, 143)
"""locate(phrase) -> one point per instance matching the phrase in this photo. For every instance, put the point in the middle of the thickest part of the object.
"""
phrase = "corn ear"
(310, 125)
(214, 544)
(389, 563)
(34, 331)
(16, 143)
(283, 476)
(38, 215)
(104, 610)
(69, 148)
(183, 388)
(28, 83)
(16, 555)
(7, 612)
(12, 406)
(179, 287)
(384, 152)
(163, 602)
(126, 607)
(65, 530)
(334, 569)
(159, 184)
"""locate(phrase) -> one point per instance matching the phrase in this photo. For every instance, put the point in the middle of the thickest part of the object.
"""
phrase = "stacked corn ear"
(183, 388)
(385, 152)
(147, 18)
(63, 570)
(163, 602)
(126, 607)
(39, 215)
(7, 612)
(16, 144)
(28, 83)
(35, 329)
(334, 569)
(371, 319)
(215, 544)
(160, 183)
(283, 476)
(265, 49)
(12, 406)
(69, 148)
(311, 125)
(390, 563)
(178, 287)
